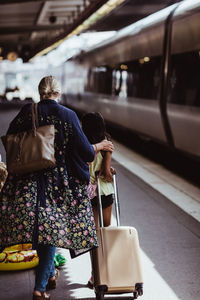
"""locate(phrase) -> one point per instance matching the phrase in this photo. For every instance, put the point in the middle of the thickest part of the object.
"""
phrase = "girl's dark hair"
(94, 127)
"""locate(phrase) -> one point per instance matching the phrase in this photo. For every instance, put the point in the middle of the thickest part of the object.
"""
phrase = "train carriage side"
(183, 106)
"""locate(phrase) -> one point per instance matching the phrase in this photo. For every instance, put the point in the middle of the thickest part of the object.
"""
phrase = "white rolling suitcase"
(116, 262)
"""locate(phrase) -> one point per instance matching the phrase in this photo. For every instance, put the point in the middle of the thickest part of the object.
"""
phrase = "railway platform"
(165, 211)
(143, 78)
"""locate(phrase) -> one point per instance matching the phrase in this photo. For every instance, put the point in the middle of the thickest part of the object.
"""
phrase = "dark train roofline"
(137, 36)
(133, 29)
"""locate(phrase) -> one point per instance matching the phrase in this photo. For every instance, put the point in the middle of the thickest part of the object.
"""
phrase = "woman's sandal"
(51, 285)
(90, 284)
(43, 296)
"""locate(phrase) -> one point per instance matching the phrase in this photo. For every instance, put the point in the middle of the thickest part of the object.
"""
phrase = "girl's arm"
(105, 171)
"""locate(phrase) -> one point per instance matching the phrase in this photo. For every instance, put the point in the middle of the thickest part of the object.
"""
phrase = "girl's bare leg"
(107, 215)
(95, 213)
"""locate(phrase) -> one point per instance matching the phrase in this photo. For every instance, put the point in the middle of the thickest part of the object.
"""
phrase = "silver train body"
(146, 78)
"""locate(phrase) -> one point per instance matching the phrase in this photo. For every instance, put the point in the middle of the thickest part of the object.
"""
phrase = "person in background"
(94, 128)
(51, 208)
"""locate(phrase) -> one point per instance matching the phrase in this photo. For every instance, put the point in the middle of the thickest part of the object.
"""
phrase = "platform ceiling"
(27, 27)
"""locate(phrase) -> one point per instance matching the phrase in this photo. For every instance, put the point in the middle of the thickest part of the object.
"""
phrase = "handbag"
(91, 189)
(32, 150)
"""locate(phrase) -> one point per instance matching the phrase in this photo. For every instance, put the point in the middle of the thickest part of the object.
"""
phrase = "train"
(146, 78)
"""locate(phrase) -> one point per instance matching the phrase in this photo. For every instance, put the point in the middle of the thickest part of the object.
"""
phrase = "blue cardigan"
(48, 206)
(76, 151)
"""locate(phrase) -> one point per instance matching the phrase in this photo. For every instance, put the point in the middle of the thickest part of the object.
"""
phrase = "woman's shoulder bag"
(32, 150)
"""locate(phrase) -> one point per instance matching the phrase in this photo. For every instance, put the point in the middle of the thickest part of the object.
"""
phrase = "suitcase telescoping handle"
(116, 199)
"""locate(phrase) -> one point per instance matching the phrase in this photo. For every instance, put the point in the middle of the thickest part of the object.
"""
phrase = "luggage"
(116, 262)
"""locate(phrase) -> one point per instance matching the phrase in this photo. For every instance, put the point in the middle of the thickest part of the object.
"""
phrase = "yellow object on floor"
(18, 257)
(3, 174)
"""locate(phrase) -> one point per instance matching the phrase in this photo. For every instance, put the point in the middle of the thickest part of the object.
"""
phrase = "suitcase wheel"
(139, 289)
(100, 295)
(100, 291)
(135, 295)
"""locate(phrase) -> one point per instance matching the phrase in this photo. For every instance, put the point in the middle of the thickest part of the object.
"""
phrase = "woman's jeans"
(45, 269)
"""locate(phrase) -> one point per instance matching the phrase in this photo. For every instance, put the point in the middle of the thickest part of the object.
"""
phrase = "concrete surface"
(178, 196)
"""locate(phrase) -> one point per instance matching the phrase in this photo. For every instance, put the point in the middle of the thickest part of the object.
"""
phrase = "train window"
(141, 79)
(184, 83)
(116, 82)
(119, 82)
(99, 80)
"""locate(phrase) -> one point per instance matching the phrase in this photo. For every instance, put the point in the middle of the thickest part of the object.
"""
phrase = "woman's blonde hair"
(49, 87)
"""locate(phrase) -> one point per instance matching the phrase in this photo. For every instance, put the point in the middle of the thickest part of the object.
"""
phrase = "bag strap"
(36, 115)
(35, 122)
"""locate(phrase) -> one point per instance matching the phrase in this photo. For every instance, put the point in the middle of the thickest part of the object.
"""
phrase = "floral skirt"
(64, 220)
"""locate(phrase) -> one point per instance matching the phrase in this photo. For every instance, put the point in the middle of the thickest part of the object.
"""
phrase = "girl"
(93, 126)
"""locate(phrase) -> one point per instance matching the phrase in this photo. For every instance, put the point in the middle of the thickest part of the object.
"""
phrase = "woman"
(51, 208)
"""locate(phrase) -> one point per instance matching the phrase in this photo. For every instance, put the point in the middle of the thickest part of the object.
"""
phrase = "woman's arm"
(79, 143)
(104, 145)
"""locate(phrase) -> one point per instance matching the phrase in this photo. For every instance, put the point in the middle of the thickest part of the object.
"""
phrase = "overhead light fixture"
(52, 19)
(101, 12)
(144, 60)
(124, 67)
